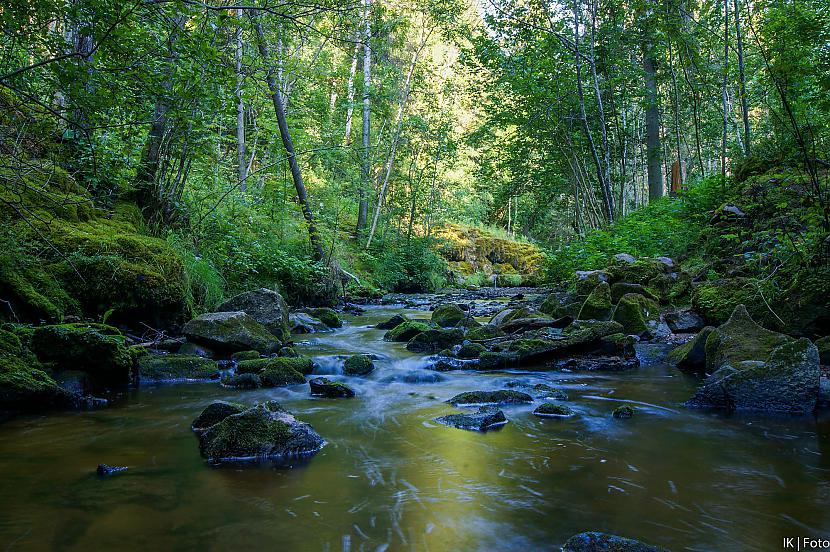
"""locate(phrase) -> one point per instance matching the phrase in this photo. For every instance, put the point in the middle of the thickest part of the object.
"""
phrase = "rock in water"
(486, 418)
(691, 356)
(740, 339)
(788, 382)
(264, 432)
(230, 332)
(392, 323)
(266, 306)
(598, 364)
(176, 368)
(623, 412)
(405, 331)
(434, 340)
(358, 365)
(475, 398)
(553, 410)
(603, 542)
(215, 413)
(448, 315)
(303, 323)
(104, 470)
(598, 304)
(323, 387)
(684, 321)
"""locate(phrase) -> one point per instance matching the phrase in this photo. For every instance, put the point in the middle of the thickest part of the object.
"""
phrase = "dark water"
(391, 479)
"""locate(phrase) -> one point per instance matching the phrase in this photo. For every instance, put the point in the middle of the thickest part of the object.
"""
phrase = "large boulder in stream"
(266, 306)
(741, 339)
(405, 331)
(581, 337)
(598, 304)
(215, 413)
(636, 313)
(176, 368)
(24, 385)
(275, 371)
(691, 356)
(358, 365)
(487, 417)
(324, 387)
(448, 315)
(787, 382)
(435, 340)
(95, 349)
(264, 432)
(603, 542)
(229, 332)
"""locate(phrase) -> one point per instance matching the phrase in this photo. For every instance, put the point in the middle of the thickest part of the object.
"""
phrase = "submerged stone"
(103, 470)
(242, 381)
(598, 364)
(473, 398)
(487, 417)
(603, 542)
(623, 412)
(553, 410)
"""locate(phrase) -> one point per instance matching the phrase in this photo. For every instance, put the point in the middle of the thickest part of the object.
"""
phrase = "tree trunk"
(654, 149)
(363, 193)
(241, 156)
(347, 138)
(296, 175)
(724, 93)
(742, 77)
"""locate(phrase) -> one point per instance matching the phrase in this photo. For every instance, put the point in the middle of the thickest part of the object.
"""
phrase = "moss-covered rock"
(787, 382)
(23, 383)
(561, 304)
(96, 349)
(470, 350)
(358, 365)
(623, 412)
(619, 289)
(304, 323)
(553, 410)
(324, 387)
(433, 340)
(175, 368)
(586, 280)
(327, 316)
(823, 346)
(406, 331)
(289, 352)
(485, 332)
(487, 417)
(264, 432)
(242, 381)
(740, 339)
(505, 396)
(393, 322)
(717, 299)
(266, 306)
(549, 392)
(598, 304)
(691, 356)
(634, 311)
(448, 315)
(638, 272)
(229, 332)
(277, 371)
(215, 413)
(245, 355)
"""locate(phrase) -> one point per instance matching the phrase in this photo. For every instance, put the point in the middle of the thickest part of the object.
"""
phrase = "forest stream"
(391, 478)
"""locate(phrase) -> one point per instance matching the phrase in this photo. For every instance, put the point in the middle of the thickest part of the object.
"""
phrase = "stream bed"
(390, 478)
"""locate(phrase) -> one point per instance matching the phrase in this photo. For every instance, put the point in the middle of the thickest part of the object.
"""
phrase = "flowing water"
(392, 479)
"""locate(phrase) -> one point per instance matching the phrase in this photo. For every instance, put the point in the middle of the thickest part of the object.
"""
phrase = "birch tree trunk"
(363, 193)
(347, 138)
(241, 156)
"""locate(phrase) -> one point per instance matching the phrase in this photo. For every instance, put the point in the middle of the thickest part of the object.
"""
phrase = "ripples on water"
(392, 479)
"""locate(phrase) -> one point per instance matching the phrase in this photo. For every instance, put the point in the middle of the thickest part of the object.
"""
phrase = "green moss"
(245, 355)
(598, 304)
(249, 433)
(406, 331)
(327, 316)
(484, 333)
(633, 311)
(23, 383)
(691, 356)
(242, 381)
(214, 413)
(175, 368)
(740, 339)
(285, 365)
(358, 365)
(96, 349)
(490, 397)
(554, 410)
(640, 272)
(433, 340)
(448, 315)
(470, 350)
(716, 300)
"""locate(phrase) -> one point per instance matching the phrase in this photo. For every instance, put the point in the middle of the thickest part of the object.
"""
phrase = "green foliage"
(410, 266)
(667, 227)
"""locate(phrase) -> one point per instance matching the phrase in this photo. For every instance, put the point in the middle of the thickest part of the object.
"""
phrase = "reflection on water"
(390, 478)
